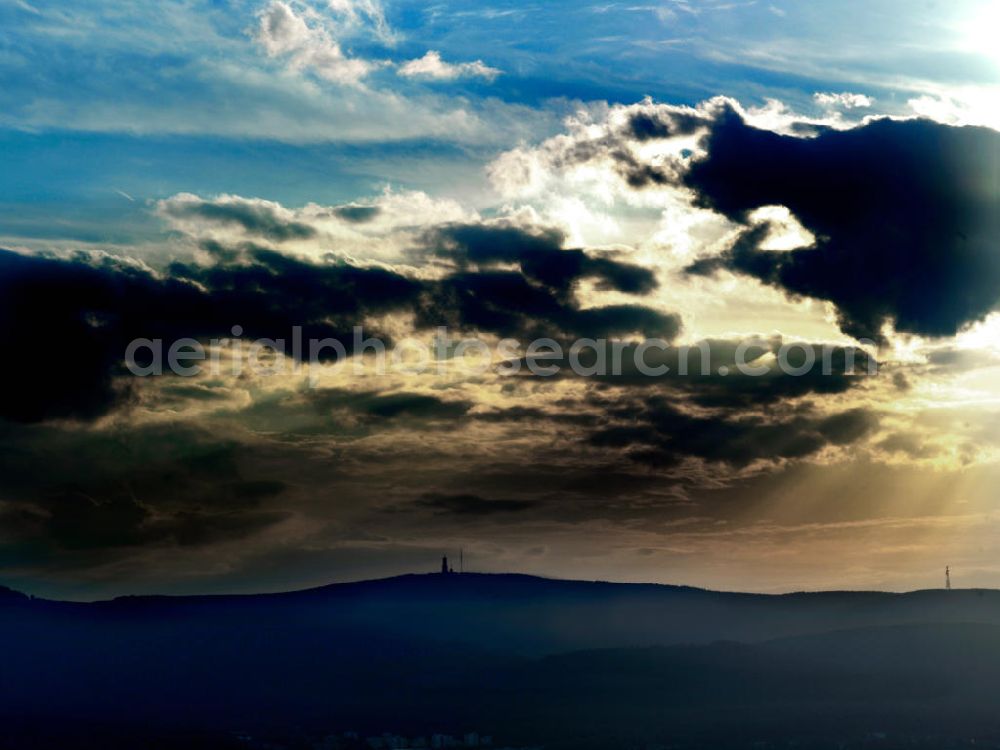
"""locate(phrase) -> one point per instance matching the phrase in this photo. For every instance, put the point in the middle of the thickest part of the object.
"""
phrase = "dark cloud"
(81, 491)
(536, 416)
(906, 216)
(414, 404)
(901, 382)
(355, 213)
(539, 254)
(835, 370)
(254, 217)
(57, 358)
(349, 414)
(384, 405)
(638, 174)
(65, 324)
(620, 142)
(909, 445)
(659, 432)
(389, 406)
(75, 521)
(847, 427)
(178, 393)
(470, 505)
(647, 125)
(729, 374)
(951, 359)
(509, 304)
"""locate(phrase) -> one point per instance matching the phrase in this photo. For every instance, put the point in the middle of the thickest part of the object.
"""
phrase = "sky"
(763, 181)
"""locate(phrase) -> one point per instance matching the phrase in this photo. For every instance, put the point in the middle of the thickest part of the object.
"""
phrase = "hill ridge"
(433, 578)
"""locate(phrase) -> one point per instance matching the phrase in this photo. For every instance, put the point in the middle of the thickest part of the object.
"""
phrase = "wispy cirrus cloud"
(284, 71)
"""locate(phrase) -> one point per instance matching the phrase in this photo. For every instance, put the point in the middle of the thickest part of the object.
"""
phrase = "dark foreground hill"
(532, 661)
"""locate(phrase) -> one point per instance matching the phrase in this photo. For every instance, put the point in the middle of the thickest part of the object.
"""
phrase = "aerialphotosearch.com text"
(543, 357)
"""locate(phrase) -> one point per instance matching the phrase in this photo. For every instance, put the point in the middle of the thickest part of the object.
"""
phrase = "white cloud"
(310, 41)
(590, 155)
(845, 100)
(282, 30)
(433, 67)
(308, 44)
(777, 116)
(972, 105)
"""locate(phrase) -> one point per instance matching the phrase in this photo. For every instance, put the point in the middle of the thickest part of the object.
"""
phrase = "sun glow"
(979, 31)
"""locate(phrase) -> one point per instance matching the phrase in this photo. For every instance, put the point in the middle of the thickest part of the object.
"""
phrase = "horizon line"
(459, 574)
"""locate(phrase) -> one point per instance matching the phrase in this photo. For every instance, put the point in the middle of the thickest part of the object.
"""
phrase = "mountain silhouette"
(533, 660)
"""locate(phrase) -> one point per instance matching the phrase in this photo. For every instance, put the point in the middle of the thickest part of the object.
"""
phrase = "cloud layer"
(888, 226)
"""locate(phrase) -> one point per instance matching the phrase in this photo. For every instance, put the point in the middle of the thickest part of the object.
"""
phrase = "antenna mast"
(461, 559)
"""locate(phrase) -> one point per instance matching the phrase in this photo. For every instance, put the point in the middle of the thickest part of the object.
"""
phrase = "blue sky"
(100, 99)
